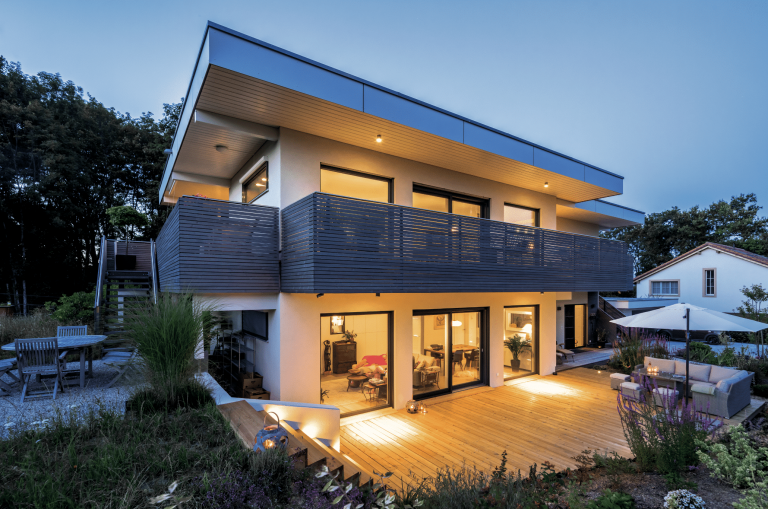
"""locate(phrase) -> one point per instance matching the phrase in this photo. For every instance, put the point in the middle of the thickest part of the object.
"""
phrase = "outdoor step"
(351, 467)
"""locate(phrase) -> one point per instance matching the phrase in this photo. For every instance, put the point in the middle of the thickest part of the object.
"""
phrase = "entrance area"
(355, 373)
(575, 335)
(448, 351)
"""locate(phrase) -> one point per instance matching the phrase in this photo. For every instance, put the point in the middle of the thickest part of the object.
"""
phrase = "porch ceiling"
(244, 97)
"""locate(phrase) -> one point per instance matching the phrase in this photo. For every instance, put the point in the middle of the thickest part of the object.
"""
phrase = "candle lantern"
(422, 408)
(271, 435)
(412, 407)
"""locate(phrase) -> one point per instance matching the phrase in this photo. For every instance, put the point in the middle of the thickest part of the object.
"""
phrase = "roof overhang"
(251, 81)
(599, 212)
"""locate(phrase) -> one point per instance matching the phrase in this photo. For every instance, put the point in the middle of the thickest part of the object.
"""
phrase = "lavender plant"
(664, 436)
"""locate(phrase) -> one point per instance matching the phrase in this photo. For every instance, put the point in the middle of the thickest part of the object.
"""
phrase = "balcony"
(213, 246)
(333, 244)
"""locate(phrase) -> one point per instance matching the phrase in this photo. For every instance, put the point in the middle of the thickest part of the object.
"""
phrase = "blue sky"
(673, 95)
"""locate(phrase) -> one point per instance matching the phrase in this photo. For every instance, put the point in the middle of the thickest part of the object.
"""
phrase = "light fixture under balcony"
(221, 148)
(378, 138)
(546, 184)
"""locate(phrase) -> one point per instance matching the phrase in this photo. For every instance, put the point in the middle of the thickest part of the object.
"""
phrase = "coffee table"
(354, 381)
(663, 379)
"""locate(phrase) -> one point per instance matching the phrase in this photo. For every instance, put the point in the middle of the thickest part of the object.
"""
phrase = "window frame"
(650, 287)
(389, 180)
(265, 168)
(485, 203)
(537, 211)
(704, 282)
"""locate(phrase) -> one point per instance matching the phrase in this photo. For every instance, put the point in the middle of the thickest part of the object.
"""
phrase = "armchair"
(424, 371)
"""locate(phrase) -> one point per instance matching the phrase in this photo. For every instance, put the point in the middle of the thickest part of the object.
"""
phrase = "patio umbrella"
(688, 317)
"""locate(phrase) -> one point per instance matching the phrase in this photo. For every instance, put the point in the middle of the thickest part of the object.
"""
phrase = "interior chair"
(76, 330)
(472, 358)
(457, 358)
(39, 357)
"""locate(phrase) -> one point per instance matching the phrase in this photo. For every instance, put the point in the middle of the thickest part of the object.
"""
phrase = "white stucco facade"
(732, 273)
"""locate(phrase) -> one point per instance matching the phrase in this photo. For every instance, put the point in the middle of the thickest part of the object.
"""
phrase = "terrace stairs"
(307, 452)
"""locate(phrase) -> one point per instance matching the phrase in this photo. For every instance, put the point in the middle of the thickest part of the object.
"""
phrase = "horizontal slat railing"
(213, 246)
(337, 244)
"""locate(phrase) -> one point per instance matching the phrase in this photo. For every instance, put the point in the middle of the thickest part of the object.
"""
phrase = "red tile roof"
(735, 251)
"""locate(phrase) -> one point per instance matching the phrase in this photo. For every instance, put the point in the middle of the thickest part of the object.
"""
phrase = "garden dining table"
(81, 344)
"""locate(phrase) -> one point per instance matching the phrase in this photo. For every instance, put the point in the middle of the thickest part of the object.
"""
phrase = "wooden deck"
(535, 419)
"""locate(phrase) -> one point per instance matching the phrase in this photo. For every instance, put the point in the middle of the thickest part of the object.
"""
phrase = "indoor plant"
(516, 345)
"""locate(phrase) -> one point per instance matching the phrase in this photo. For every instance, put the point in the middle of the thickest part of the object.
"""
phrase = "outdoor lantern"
(412, 407)
(271, 435)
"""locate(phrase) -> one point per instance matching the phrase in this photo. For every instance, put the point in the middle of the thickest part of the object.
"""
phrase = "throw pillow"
(421, 365)
(719, 373)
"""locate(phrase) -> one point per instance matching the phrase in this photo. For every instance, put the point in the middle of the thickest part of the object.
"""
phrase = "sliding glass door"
(448, 350)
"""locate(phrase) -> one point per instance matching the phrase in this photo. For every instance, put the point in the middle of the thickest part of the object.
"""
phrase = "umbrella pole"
(687, 349)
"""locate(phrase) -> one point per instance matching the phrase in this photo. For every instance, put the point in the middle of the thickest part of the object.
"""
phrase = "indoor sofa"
(715, 389)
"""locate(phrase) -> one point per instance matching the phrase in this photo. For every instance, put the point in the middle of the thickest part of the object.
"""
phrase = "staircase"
(605, 313)
(306, 451)
(119, 287)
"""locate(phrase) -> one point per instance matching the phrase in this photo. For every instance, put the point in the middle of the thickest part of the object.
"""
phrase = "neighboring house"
(711, 276)
(635, 305)
(332, 205)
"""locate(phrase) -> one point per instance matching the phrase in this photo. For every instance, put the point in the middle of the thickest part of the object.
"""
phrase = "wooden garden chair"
(75, 330)
(39, 357)
(6, 366)
(121, 359)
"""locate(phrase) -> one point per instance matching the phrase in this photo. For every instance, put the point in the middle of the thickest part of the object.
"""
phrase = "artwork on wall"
(439, 322)
(518, 320)
(337, 325)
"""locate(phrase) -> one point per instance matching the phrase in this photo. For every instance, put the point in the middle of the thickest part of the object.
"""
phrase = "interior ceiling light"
(221, 148)
(378, 138)
(546, 184)
(456, 323)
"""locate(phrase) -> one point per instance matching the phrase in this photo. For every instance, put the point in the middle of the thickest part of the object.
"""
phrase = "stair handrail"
(155, 274)
(100, 276)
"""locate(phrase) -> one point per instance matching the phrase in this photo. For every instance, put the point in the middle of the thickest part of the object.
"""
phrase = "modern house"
(310, 204)
(711, 276)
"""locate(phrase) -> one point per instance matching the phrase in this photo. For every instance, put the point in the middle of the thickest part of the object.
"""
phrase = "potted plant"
(516, 345)
(350, 336)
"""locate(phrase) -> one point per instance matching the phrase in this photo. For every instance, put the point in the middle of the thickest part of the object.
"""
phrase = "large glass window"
(446, 201)
(355, 185)
(521, 215)
(520, 341)
(447, 350)
(355, 361)
(256, 185)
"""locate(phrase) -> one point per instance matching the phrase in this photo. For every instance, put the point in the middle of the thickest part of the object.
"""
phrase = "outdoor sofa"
(717, 390)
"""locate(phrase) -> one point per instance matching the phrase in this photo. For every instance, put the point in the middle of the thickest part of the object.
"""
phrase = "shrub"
(702, 352)
(76, 309)
(630, 350)
(39, 324)
(189, 394)
(167, 334)
(683, 499)
(760, 390)
(612, 500)
(663, 437)
(756, 497)
(734, 459)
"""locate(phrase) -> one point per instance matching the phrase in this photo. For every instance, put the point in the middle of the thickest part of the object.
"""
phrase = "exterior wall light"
(546, 184)
(378, 138)
(221, 148)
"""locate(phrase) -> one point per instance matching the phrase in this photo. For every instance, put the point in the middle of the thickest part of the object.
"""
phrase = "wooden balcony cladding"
(335, 244)
(213, 246)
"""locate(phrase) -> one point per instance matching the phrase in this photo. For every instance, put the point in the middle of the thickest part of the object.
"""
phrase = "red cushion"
(374, 359)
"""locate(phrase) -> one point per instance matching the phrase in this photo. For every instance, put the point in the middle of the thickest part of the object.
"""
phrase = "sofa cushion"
(665, 365)
(703, 388)
(720, 373)
(620, 376)
(725, 384)
(698, 372)
(631, 386)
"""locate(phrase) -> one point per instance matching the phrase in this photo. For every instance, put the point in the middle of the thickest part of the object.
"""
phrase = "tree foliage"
(672, 232)
(65, 159)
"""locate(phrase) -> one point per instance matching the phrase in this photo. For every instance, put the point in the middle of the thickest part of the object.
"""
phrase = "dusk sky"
(672, 95)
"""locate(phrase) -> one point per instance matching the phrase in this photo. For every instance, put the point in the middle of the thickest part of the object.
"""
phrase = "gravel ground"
(69, 405)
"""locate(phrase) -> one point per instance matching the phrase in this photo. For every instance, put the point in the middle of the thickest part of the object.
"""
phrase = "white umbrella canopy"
(674, 317)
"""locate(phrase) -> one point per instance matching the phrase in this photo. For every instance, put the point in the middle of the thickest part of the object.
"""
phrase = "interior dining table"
(456, 348)
(81, 344)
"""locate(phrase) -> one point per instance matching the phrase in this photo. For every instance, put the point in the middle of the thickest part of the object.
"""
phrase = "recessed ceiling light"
(221, 148)
(264, 179)
(378, 138)
(546, 184)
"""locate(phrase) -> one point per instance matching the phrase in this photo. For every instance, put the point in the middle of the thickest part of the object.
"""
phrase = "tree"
(127, 220)
(752, 308)
(65, 159)
(672, 232)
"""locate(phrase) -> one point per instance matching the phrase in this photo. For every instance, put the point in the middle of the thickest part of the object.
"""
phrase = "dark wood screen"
(212, 246)
(139, 249)
(342, 245)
